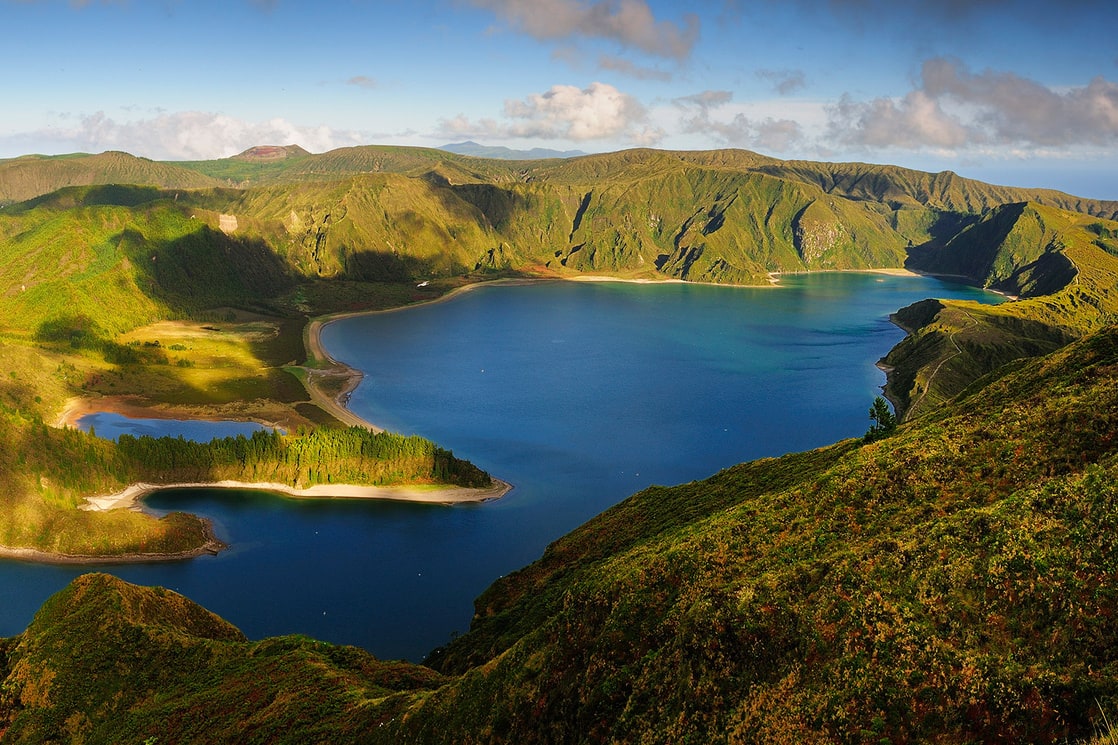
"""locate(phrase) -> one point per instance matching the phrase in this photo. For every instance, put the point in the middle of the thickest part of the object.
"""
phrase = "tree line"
(352, 455)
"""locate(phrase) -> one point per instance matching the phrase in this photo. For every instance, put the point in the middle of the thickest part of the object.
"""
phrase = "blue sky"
(1007, 91)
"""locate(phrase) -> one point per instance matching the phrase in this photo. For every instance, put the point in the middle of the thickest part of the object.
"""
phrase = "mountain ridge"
(850, 179)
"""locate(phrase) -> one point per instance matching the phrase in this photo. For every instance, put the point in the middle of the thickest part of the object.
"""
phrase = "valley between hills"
(952, 582)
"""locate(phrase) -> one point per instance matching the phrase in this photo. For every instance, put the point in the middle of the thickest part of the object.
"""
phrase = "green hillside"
(950, 583)
(399, 213)
(34, 175)
(123, 257)
(76, 664)
(1061, 264)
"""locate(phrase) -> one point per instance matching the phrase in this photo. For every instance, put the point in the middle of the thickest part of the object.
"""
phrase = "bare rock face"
(815, 231)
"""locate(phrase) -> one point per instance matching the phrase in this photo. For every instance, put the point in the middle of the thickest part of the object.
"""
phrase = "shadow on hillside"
(926, 257)
(221, 280)
(391, 266)
(205, 269)
(496, 204)
(116, 195)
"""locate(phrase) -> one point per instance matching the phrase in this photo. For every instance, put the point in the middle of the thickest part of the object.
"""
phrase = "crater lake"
(578, 393)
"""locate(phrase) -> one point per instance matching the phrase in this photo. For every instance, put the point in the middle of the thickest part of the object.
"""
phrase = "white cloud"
(625, 67)
(955, 108)
(363, 81)
(631, 23)
(704, 115)
(706, 100)
(463, 126)
(913, 122)
(784, 82)
(597, 112)
(189, 135)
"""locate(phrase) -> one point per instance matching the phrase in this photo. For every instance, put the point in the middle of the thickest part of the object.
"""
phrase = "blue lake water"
(111, 426)
(579, 394)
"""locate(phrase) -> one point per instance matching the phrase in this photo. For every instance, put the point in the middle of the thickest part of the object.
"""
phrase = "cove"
(111, 426)
(579, 394)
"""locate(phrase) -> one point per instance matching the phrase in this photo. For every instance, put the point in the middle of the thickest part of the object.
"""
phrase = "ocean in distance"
(577, 393)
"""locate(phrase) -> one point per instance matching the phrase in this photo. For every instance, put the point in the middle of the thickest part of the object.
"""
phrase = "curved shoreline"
(132, 496)
(321, 364)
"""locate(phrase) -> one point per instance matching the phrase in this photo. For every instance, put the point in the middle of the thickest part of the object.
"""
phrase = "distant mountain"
(476, 150)
(271, 152)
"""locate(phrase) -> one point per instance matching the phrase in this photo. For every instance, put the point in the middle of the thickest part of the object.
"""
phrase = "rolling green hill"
(723, 216)
(34, 175)
(1062, 266)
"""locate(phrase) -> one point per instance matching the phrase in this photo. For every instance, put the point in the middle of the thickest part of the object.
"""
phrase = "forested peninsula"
(951, 580)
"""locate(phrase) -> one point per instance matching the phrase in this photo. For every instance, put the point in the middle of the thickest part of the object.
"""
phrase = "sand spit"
(131, 497)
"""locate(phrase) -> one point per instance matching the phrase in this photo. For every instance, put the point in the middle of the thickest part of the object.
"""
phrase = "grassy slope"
(72, 676)
(1063, 265)
(728, 216)
(47, 470)
(952, 582)
(34, 175)
(123, 257)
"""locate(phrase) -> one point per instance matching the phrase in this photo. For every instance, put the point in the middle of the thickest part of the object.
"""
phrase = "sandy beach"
(132, 496)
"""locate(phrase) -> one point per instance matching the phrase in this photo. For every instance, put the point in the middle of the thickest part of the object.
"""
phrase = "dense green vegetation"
(724, 216)
(47, 472)
(96, 636)
(1061, 264)
(344, 456)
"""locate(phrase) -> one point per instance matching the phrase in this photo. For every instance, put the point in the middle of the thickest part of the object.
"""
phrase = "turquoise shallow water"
(577, 393)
